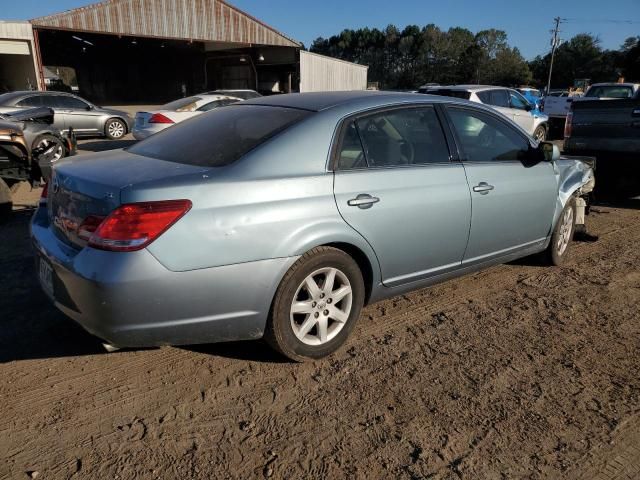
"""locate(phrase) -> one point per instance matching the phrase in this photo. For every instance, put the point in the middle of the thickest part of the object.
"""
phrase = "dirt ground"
(521, 371)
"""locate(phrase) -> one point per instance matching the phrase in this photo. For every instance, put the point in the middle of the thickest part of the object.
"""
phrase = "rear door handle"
(363, 201)
(483, 188)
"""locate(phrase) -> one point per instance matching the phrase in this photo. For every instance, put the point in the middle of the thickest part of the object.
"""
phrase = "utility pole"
(555, 42)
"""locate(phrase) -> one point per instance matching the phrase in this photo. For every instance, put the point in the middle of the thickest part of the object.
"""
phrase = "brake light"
(88, 227)
(45, 192)
(160, 118)
(568, 125)
(134, 226)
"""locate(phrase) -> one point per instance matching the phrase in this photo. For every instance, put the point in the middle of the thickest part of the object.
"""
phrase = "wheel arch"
(363, 262)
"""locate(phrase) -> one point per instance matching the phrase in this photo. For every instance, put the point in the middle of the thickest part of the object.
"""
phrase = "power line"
(601, 20)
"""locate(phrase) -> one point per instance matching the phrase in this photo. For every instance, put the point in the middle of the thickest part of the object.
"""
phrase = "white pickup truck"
(558, 105)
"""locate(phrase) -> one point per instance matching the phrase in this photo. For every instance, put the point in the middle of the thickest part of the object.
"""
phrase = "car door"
(79, 114)
(396, 186)
(521, 110)
(513, 197)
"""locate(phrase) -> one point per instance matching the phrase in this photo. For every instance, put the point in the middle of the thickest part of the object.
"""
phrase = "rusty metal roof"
(199, 20)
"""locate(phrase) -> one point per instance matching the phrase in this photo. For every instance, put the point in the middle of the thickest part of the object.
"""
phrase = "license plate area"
(45, 273)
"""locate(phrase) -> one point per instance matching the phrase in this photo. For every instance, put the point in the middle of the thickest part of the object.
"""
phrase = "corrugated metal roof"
(201, 20)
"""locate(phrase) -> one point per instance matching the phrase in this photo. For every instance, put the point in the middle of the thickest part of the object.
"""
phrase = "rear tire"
(115, 129)
(316, 305)
(54, 148)
(558, 250)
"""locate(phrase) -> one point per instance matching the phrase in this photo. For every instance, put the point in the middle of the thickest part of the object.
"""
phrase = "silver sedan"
(281, 217)
(71, 111)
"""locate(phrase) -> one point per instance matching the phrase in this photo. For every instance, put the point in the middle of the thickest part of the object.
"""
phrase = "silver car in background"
(281, 217)
(150, 123)
(507, 101)
(86, 119)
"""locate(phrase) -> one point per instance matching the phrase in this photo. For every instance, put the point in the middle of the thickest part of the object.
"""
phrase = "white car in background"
(507, 101)
(149, 123)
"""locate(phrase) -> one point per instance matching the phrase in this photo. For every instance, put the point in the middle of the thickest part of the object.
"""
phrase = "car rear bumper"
(132, 300)
(140, 133)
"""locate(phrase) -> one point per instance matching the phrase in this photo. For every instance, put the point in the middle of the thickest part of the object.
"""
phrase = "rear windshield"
(610, 92)
(182, 105)
(219, 137)
(444, 92)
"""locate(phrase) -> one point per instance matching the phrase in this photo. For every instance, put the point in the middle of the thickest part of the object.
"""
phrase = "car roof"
(616, 84)
(470, 88)
(319, 101)
(19, 94)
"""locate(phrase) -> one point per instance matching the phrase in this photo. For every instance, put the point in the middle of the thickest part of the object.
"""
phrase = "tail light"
(89, 226)
(45, 192)
(133, 226)
(160, 118)
(568, 125)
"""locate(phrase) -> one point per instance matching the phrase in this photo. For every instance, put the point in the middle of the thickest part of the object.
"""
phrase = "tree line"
(408, 58)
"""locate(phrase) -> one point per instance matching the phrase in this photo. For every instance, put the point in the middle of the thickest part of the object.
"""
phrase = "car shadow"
(30, 327)
(254, 351)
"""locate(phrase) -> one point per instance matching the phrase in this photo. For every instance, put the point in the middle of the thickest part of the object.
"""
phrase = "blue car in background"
(533, 96)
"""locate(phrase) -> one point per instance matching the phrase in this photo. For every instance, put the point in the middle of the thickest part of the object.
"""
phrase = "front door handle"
(483, 188)
(363, 201)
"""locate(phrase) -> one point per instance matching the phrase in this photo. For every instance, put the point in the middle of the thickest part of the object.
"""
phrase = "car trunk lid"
(91, 186)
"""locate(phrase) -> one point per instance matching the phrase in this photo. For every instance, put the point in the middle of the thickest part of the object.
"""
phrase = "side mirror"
(528, 107)
(89, 107)
(550, 151)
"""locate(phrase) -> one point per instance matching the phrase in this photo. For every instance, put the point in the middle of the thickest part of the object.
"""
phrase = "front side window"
(411, 136)
(60, 101)
(518, 101)
(484, 138)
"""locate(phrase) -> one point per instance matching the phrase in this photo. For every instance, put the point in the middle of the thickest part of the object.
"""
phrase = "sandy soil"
(521, 371)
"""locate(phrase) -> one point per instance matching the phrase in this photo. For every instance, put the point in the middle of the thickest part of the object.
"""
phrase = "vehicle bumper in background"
(140, 133)
(131, 300)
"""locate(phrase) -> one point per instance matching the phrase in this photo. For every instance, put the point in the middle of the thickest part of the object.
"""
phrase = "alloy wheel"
(321, 306)
(116, 129)
(566, 228)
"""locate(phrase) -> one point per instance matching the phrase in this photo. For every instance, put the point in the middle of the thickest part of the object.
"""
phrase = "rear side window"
(497, 98)
(35, 101)
(408, 136)
(610, 92)
(219, 137)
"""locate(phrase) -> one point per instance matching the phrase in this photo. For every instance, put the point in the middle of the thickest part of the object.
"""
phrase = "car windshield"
(611, 91)
(219, 137)
(188, 104)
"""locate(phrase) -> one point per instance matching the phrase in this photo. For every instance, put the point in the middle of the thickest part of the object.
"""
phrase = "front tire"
(316, 305)
(558, 249)
(115, 129)
(540, 133)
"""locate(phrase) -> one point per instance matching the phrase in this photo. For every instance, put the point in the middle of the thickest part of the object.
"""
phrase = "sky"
(527, 24)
